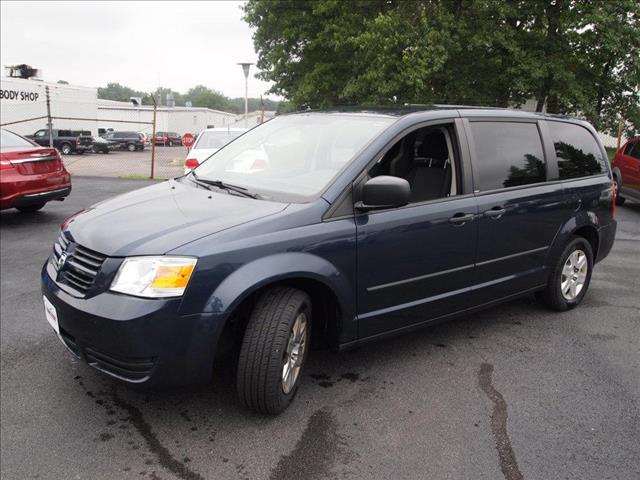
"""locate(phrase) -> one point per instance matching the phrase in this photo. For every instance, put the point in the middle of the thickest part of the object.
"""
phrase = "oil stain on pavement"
(314, 454)
(507, 458)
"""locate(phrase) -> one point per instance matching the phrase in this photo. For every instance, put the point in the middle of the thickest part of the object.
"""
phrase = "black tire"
(552, 296)
(619, 198)
(31, 208)
(65, 149)
(170, 143)
(131, 147)
(264, 349)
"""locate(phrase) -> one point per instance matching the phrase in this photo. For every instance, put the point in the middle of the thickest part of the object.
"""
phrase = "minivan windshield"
(293, 157)
(215, 139)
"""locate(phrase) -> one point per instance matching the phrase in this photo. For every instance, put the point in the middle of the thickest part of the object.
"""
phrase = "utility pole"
(49, 119)
(153, 137)
(245, 68)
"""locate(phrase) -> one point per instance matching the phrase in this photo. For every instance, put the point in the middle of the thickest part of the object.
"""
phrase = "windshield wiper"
(225, 186)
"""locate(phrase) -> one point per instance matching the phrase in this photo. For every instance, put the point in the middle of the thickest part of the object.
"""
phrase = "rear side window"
(507, 154)
(578, 152)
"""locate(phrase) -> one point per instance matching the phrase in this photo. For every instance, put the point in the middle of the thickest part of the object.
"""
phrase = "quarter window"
(507, 154)
(578, 152)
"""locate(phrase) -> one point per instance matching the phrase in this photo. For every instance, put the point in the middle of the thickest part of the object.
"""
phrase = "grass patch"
(135, 176)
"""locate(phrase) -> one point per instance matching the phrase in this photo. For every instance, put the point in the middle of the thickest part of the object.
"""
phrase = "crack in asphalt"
(314, 454)
(507, 458)
(165, 459)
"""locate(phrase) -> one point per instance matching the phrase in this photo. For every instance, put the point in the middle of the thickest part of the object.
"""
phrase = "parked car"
(131, 141)
(67, 141)
(31, 175)
(364, 224)
(208, 142)
(626, 171)
(167, 139)
(104, 145)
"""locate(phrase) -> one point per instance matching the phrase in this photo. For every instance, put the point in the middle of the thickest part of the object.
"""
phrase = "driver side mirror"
(384, 192)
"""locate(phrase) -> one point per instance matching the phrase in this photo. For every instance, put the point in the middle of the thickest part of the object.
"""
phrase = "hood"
(160, 218)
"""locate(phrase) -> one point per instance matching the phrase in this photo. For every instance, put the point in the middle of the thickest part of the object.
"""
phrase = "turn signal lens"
(172, 277)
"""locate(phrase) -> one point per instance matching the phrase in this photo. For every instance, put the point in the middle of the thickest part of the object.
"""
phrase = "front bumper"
(135, 340)
(606, 238)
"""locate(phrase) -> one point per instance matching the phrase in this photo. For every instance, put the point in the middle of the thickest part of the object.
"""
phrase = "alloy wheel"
(574, 274)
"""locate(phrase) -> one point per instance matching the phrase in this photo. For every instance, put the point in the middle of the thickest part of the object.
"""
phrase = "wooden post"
(620, 123)
(153, 138)
(49, 119)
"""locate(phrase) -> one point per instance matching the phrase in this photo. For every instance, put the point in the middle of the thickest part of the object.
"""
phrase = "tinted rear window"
(578, 152)
(507, 154)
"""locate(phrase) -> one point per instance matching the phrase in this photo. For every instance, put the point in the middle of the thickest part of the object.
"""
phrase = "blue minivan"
(334, 227)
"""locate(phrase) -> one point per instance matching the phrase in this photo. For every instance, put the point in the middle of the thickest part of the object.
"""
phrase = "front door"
(630, 169)
(416, 263)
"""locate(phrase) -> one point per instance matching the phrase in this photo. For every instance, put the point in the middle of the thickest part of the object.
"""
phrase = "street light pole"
(245, 69)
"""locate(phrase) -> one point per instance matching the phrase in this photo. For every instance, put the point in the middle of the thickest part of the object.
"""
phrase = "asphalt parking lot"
(125, 164)
(513, 392)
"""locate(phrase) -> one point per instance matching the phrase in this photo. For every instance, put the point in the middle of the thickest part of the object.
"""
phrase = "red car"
(626, 171)
(167, 139)
(30, 175)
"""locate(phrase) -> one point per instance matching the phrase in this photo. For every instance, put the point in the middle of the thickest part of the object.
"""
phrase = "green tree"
(572, 56)
(120, 93)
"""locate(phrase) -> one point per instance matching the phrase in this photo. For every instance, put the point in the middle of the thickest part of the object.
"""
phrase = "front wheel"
(131, 147)
(570, 276)
(274, 350)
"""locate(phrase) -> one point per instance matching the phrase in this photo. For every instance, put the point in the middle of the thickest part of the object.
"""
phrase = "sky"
(142, 45)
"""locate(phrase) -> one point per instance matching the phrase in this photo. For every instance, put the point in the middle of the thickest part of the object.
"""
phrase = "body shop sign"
(20, 95)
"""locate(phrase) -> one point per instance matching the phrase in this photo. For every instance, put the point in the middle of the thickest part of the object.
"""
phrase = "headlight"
(154, 276)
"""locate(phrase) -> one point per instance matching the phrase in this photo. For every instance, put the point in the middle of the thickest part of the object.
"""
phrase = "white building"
(125, 116)
(23, 108)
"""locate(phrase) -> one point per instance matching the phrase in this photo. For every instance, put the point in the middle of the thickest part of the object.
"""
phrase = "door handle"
(461, 218)
(495, 212)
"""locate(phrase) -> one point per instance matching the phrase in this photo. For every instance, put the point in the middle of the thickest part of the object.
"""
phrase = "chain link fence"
(101, 137)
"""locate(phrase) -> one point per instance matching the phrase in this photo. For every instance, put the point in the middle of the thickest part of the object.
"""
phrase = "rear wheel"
(274, 350)
(170, 143)
(131, 147)
(31, 208)
(570, 277)
(65, 149)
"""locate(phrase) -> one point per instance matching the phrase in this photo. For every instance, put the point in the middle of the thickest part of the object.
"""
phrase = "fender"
(578, 220)
(273, 268)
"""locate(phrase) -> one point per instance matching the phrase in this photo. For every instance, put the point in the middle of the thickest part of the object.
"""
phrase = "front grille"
(81, 267)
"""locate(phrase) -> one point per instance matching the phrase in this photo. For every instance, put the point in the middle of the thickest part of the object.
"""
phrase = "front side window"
(40, 133)
(426, 159)
(293, 157)
(577, 151)
(633, 150)
(507, 154)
